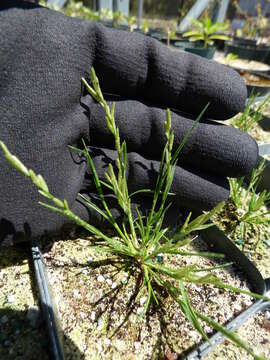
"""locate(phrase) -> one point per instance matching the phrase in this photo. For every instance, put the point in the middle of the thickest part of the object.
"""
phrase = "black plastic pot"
(220, 44)
(260, 86)
(216, 241)
(258, 53)
(164, 40)
(156, 33)
(107, 23)
(264, 184)
(258, 68)
(258, 90)
(264, 123)
(196, 48)
(244, 41)
(182, 44)
(207, 53)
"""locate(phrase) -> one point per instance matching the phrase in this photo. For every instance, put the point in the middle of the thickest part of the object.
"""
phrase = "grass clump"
(245, 216)
(139, 240)
(251, 115)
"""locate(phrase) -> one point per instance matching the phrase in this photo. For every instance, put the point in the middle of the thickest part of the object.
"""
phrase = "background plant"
(145, 26)
(171, 32)
(230, 57)
(139, 239)
(251, 115)
(254, 26)
(131, 21)
(246, 217)
(206, 31)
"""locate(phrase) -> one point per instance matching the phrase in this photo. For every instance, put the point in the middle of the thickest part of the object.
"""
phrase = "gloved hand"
(44, 55)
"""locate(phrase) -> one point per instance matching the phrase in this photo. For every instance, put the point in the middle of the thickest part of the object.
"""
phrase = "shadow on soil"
(23, 334)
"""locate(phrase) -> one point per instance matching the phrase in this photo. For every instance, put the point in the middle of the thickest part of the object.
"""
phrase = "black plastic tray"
(217, 241)
(264, 184)
(48, 308)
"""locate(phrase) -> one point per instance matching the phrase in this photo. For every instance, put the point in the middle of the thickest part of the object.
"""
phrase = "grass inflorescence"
(139, 240)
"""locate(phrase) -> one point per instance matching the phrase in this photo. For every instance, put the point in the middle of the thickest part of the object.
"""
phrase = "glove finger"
(136, 66)
(193, 189)
(212, 147)
(142, 203)
(128, 64)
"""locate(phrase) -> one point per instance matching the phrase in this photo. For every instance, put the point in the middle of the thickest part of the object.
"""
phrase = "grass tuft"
(140, 240)
(246, 214)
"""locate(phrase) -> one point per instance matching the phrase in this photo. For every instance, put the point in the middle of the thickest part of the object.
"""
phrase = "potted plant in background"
(118, 19)
(254, 73)
(131, 22)
(204, 33)
(248, 41)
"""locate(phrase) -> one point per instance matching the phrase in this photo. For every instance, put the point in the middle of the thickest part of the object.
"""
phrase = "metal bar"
(140, 13)
(193, 13)
(222, 11)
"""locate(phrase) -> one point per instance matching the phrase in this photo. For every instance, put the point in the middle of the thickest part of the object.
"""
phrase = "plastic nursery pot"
(182, 44)
(156, 33)
(164, 40)
(220, 44)
(264, 123)
(196, 48)
(258, 83)
(107, 23)
(244, 41)
(216, 241)
(250, 52)
(264, 184)
(207, 53)
(249, 66)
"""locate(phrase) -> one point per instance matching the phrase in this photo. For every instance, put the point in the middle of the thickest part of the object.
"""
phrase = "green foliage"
(171, 32)
(131, 21)
(251, 219)
(231, 57)
(78, 9)
(251, 115)
(145, 26)
(139, 239)
(118, 18)
(254, 26)
(206, 31)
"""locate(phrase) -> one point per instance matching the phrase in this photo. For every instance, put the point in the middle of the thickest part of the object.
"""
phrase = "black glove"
(44, 55)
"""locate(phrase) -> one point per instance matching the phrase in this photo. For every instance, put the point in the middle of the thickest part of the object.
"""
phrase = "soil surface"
(94, 294)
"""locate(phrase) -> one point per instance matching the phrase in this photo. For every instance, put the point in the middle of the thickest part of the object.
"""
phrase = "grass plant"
(131, 22)
(251, 115)
(140, 239)
(246, 213)
(171, 32)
